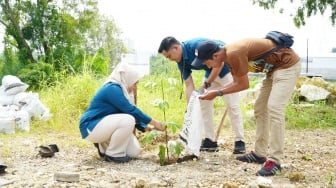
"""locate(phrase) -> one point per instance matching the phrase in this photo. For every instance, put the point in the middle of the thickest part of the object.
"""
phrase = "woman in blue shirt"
(111, 117)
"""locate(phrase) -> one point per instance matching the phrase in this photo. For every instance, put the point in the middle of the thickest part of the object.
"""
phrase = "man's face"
(173, 54)
(212, 63)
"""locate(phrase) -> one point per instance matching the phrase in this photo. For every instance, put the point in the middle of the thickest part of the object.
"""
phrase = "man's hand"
(209, 95)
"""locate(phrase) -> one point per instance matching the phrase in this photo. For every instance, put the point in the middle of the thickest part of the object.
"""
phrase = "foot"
(101, 154)
(251, 158)
(117, 159)
(239, 147)
(209, 145)
(269, 169)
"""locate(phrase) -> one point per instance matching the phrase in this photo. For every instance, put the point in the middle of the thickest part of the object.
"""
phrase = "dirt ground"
(309, 162)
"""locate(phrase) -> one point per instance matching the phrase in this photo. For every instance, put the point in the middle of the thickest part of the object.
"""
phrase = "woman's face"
(132, 88)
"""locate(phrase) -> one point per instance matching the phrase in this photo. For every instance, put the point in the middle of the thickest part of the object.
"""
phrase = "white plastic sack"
(22, 120)
(7, 122)
(5, 99)
(31, 103)
(12, 85)
(191, 133)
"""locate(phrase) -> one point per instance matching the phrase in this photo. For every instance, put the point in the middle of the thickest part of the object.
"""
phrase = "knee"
(275, 107)
(128, 120)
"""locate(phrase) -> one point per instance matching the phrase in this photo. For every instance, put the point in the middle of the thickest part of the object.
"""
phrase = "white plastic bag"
(7, 122)
(191, 133)
(22, 120)
(31, 103)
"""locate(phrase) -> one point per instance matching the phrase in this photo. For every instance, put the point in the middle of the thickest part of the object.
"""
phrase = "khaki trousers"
(269, 111)
(233, 105)
(114, 133)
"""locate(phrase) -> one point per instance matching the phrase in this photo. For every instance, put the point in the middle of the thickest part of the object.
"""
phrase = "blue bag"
(283, 40)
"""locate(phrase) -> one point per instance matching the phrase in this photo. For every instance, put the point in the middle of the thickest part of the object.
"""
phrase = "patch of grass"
(312, 116)
(68, 99)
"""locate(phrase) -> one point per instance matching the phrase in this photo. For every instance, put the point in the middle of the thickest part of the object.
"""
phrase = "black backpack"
(283, 40)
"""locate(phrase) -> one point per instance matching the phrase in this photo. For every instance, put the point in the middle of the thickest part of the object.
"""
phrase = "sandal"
(2, 168)
(48, 151)
(101, 154)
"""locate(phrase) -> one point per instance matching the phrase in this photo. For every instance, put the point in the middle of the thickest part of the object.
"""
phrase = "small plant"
(168, 149)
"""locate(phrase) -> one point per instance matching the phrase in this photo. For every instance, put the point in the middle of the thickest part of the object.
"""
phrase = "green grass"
(68, 99)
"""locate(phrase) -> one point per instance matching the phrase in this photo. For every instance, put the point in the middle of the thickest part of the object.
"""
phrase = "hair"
(167, 43)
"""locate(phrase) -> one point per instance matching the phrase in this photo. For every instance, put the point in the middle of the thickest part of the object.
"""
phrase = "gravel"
(309, 162)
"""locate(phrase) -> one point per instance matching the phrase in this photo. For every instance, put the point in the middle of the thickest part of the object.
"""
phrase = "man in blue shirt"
(184, 54)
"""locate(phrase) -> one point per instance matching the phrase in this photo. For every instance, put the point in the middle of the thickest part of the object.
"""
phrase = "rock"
(296, 176)
(140, 183)
(331, 100)
(66, 176)
(313, 93)
(264, 182)
(4, 182)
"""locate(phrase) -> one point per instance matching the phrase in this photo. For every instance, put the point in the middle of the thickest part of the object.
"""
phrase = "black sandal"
(2, 168)
(101, 154)
(48, 151)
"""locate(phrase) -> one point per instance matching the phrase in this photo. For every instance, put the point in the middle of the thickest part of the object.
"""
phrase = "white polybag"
(191, 133)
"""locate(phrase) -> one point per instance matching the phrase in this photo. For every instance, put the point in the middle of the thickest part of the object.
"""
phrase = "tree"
(63, 33)
(305, 9)
(11, 20)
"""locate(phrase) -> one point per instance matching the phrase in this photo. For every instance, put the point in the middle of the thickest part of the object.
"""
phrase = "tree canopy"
(304, 9)
(65, 34)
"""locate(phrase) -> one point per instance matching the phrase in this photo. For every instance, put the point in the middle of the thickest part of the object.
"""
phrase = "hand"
(209, 95)
(154, 124)
(158, 126)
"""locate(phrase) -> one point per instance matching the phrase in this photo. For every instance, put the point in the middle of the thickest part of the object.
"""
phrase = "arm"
(214, 73)
(240, 83)
(189, 83)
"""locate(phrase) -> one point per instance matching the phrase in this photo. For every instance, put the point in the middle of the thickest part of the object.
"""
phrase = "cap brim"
(197, 62)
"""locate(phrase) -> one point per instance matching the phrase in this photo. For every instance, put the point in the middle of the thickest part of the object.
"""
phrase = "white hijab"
(125, 75)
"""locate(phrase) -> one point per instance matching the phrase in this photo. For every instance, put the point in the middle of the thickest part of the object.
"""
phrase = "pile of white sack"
(18, 107)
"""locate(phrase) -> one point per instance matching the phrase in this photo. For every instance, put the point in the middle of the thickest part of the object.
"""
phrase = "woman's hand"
(154, 124)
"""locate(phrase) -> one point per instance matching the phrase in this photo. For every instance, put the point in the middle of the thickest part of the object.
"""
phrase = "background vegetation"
(68, 99)
(64, 49)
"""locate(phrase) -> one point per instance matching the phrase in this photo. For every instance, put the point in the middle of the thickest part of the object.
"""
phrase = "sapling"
(163, 105)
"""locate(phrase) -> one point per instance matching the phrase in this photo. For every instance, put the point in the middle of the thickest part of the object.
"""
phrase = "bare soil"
(309, 162)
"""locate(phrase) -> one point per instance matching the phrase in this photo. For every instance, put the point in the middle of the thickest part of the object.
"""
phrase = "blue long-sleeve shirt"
(108, 100)
(188, 48)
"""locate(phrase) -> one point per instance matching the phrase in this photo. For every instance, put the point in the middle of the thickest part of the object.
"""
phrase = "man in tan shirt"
(282, 68)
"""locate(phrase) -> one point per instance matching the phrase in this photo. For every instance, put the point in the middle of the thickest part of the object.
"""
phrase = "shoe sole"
(239, 152)
(209, 149)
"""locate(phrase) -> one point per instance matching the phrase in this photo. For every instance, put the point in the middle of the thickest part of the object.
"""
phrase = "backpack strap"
(268, 53)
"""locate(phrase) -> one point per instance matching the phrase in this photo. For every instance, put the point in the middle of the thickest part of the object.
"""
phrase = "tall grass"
(68, 99)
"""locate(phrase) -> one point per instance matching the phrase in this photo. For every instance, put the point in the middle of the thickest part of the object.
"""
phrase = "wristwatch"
(206, 84)
(220, 93)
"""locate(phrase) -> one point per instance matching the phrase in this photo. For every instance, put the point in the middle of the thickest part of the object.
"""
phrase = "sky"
(144, 23)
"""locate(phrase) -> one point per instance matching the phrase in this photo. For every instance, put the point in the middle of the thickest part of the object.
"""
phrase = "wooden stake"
(221, 124)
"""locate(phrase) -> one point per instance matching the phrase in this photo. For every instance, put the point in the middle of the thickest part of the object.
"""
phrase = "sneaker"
(117, 159)
(251, 158)
(209, 145)
(101, 154)
(239, 147)
(269, 169)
